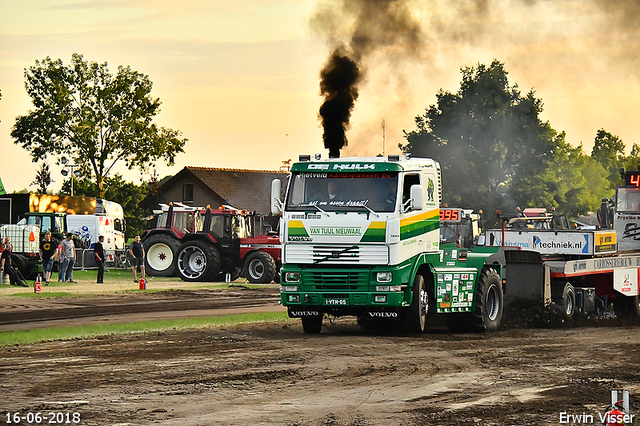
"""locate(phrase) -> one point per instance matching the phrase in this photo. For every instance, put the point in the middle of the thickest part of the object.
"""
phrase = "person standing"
(68, 259)
(137, 253)
(48, 251)
(6, 265)
(98, 249)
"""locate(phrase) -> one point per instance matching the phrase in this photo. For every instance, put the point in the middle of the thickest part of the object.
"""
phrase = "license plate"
(336, 302)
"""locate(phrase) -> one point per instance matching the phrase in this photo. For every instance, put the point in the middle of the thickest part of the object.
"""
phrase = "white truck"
(89, 227)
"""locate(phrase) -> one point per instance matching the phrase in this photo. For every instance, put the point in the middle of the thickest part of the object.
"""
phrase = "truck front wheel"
(198, 261)
(416, 314)
(489, 301)
(312, 325)
(260, 268)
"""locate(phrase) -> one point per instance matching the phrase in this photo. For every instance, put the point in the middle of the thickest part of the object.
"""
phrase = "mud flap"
(527, 284)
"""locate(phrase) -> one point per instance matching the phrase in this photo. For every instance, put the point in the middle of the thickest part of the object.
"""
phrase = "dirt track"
(272, 373)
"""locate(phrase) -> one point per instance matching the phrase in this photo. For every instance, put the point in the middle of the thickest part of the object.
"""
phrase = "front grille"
(364, 254)
(335, 280)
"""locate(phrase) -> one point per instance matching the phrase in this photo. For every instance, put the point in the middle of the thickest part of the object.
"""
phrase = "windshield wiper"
(318, 207)
(335, 254)
(370, 210)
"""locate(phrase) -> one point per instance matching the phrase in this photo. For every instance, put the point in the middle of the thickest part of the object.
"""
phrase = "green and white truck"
(361, 237)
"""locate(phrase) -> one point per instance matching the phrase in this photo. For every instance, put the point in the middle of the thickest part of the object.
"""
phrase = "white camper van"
(89, 227)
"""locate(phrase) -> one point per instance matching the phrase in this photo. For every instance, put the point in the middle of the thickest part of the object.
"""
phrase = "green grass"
(88, 331)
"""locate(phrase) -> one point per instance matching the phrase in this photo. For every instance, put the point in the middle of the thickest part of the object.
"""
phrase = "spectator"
(137, 253)
(98, 249)
(7, 267)
(48, 252)
(68, 256)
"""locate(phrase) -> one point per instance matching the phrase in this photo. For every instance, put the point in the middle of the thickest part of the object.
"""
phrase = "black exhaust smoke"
(338, 86)
(355, 29)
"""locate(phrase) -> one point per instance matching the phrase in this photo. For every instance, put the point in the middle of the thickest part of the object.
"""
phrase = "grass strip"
(87, 331)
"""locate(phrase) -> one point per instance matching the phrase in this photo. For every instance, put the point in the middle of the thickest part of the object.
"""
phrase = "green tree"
(43, 178)
(572, 182)
(94, 117)
(127, 194)
(608, 150)
(483, 136)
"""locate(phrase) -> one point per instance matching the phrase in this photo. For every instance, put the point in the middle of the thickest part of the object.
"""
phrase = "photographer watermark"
(616, 414)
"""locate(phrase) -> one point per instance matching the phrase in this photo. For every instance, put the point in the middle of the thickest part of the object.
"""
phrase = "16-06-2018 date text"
(38, 417)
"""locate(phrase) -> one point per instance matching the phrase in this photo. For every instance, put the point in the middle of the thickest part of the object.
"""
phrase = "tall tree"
(572, 182)
(608, 150)
(43, 178)
(483, 136)
(94, 117)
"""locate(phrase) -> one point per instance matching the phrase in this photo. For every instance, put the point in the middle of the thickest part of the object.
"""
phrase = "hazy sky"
(240, 78)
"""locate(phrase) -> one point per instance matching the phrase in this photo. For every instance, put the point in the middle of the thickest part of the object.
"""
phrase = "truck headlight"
(384, 277)
(380, 298)
(295, 298)
(286, 288)
(292, 277)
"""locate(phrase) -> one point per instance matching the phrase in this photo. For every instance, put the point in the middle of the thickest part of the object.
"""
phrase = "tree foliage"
(483, 136)
(94, 117)
(43, 178)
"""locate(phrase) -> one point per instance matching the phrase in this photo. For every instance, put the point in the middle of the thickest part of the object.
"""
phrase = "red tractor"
(210, 245)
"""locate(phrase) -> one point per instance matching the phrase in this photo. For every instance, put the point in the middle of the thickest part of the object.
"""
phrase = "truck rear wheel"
(312, 325)
(260, 268)
(568, 301)
(489, 301)
(198, 261)
(161, 251)
(416, 314)
(627, 306)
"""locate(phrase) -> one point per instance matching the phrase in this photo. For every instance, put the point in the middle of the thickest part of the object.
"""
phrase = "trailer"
(587, 271)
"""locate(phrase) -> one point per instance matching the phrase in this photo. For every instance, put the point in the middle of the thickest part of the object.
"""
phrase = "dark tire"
(627, 306)
(161, 252)
(489, 301)
(312, 325)
(20, 264)
(416, 314)
(198, 261)
(260, 268)
(568, 301)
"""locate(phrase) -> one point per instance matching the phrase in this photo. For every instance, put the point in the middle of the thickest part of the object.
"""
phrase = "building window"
(187, 193)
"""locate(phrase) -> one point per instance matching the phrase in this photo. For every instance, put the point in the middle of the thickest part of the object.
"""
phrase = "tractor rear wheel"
(198, 261)
(161, 251)
(260, 268)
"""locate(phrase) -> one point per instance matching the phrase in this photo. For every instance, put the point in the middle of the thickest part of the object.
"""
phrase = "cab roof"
(391, 163)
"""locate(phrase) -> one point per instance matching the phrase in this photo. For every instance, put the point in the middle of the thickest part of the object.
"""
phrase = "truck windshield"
(343, 191)
(628, 200)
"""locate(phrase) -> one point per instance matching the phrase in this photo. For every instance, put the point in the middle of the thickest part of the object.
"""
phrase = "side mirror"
(417, 198)
(276, 203)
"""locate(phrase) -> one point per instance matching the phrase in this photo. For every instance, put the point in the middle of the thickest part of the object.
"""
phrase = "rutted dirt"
(272, 373)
